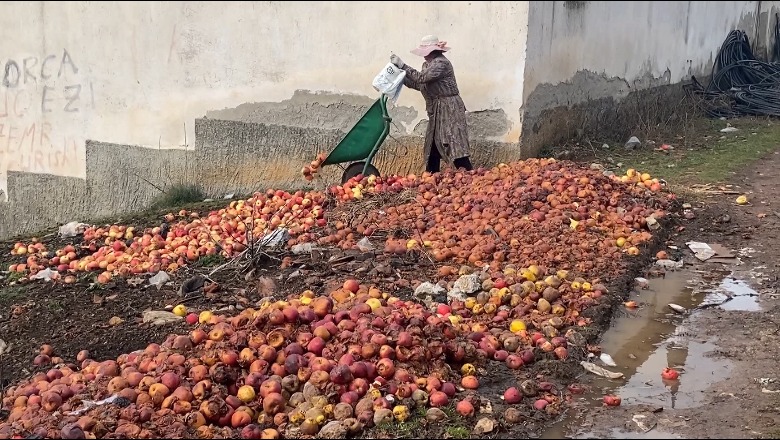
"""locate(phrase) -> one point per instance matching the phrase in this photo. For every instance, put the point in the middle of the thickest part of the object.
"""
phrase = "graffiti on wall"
(41, 100)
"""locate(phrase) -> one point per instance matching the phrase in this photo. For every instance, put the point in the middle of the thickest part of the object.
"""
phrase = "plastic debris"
(365, 245)
(729, 129)
(678, 308)
(700, 250)
(275, 238)
(89, 404)
(46, 275)
(302, 248)
(669, 264)
(607, 359)
(72, 229)
(643, 423)
(600, 371)
(159, 279)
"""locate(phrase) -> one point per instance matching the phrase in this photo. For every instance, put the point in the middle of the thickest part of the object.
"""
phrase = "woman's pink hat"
(428, 44)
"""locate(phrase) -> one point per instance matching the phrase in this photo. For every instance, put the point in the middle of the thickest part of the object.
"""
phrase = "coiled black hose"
(740, 84)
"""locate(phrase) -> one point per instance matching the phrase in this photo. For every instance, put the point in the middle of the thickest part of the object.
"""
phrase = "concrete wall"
(596, 51)
(102, 103)
(94, 92)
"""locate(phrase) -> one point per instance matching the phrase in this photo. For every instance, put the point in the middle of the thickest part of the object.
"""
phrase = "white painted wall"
(137, 72)
(629, 39)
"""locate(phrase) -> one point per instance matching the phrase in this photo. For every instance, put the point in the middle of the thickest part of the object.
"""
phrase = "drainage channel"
(644, 341)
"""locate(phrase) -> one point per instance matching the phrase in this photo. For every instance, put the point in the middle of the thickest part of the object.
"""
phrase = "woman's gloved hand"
(397, 61)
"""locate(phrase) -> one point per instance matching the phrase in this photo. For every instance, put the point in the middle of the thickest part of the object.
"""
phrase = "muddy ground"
(734, 347)
(107, 320)
(729, 358)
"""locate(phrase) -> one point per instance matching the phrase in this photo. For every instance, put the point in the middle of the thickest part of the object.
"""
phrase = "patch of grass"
(55, 306)
(412, 428)
(721, 155)
(210, 260)
(15, 276)
(456, 424)
(11, 293)
(178, 195)
(457, 432)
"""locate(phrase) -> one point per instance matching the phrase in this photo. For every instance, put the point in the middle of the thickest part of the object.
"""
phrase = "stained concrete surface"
(227, 157)
(307, 109)
(563, 113)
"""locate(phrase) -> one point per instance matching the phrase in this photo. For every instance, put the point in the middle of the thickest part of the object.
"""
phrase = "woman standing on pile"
(447, 136)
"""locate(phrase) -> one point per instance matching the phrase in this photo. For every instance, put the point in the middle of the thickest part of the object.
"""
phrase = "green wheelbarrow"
(362, 142)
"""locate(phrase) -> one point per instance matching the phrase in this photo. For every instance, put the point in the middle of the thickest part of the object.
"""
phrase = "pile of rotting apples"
(334, 365)
(538, 211)
(534, 212)
(313, 365)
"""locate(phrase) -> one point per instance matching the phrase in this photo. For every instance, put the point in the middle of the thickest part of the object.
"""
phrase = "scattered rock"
(159, 317)
(428, 289)
(365, 245)
(434, 415)
(135, 281)
(266, 286)
(192, 285)
(576, 338)
(652, 223)
(383, 415)
(632, 143)
(484, 426)
(644, 423)
(468, 284)
(669, 264)
(384, 269)
(115, 320)
(334, 429)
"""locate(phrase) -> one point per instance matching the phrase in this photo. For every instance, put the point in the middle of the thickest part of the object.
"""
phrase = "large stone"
(468, 284)
(334, 429)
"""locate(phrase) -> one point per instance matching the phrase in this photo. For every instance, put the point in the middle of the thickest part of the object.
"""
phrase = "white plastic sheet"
(390, 81)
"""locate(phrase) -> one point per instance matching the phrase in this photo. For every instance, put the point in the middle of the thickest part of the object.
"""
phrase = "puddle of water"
(643, 343)
(743, 297)
(619, 433)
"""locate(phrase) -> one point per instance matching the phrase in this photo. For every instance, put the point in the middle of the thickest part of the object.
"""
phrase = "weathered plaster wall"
(94, 94)
(102, 102)
(599, 51)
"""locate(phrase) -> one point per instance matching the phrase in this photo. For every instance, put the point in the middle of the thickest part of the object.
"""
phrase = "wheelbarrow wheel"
(357, 168)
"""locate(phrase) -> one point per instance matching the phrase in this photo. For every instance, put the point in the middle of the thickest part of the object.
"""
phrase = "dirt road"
(726, 352)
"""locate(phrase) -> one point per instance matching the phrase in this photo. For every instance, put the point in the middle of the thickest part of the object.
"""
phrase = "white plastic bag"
(390, 81)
